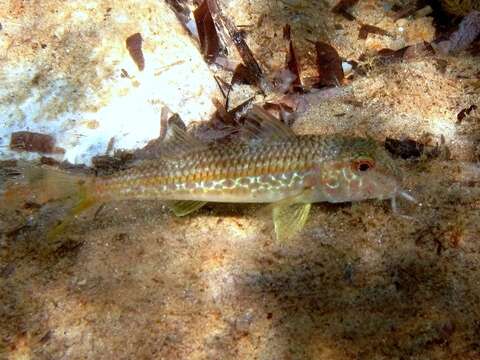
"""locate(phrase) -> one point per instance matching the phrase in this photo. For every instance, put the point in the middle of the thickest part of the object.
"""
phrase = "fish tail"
(32, 184)
(84, 201)
(39, 185)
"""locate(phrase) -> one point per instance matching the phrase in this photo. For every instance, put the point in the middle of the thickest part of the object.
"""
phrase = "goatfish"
(272, 165)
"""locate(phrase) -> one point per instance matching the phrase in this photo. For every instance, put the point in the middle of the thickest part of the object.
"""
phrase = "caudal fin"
(31, 184)
(38, 184)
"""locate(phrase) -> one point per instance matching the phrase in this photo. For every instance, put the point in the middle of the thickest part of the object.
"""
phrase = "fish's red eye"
(363, 165)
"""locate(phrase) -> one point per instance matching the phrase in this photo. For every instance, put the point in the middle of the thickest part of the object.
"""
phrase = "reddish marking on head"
(339, 165)
(330, 191)
(355, 185)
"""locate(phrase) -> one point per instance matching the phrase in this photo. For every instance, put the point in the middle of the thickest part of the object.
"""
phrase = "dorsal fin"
(177, 141)
(262, 126)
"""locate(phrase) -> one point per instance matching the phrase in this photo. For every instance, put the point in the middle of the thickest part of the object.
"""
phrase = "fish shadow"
(410, 303)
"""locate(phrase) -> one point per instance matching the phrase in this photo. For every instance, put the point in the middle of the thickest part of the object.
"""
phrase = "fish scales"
(240, 172)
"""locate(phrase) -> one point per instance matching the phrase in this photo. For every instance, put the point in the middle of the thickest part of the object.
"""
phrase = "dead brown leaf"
(134, 47)
(209, 40)
(329, 65)
(33, 142)
(342, 8)
(366, 29)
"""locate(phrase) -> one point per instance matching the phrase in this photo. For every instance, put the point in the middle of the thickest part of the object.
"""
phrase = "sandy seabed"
(131, 281)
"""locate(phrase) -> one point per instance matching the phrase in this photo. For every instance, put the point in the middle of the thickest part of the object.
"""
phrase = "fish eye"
(363, 165)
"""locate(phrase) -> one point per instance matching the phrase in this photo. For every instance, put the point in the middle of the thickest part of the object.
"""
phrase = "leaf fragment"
(293, 65)
(209, 40)
(33, 142)
(465, 112)
(329, 65)
(366, 29)
(405, 149)
(134, 47)
(342, 8)
(237, 38)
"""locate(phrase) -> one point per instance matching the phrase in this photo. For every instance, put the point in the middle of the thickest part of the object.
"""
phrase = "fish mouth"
(383, 186)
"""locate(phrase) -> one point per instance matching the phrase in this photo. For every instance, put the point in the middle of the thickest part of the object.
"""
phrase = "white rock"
(62, 75)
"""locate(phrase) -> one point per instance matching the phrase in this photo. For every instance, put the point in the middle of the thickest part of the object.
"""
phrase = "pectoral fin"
(184, 207)
(289, 219)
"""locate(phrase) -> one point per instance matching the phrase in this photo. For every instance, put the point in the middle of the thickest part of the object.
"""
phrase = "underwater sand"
(131, 281)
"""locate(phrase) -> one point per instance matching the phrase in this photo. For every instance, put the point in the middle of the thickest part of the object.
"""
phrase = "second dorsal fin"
(178, 142)
(262, 126)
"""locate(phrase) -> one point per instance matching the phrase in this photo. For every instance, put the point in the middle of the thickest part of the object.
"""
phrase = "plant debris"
(418, 51)
(405, 149)
(134, 47)
(329, 65)
(209, 40)
(413, 52)
(180, 10)
(46, 160)
(242, 75)
(281, 111)
(291, 61)
(400, 12)
(106, 164)
(465, 112)
(184, 15)
(366, 29)
(34, 142)
(237, 38)
(342, 8)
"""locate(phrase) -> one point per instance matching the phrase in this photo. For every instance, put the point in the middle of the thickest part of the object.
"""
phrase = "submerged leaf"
(237, 38)
(465, 112)
(178, 7)
(292, 65)
(403, 12)
(417, 51)
(342, 7)
(287, 32)
(33, 142)
(405, 149)
(366, 29)
(134, 47)
(242, 75)
(209, 40)
(329, 65)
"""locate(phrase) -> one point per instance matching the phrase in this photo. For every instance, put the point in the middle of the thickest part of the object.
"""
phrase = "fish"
(270, 164)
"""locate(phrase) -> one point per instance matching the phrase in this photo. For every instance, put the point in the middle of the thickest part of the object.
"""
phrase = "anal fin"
(84, 202)
(184, 207)
(289, 219)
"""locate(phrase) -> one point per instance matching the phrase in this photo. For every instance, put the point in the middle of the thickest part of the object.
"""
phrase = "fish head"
(360, 170)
